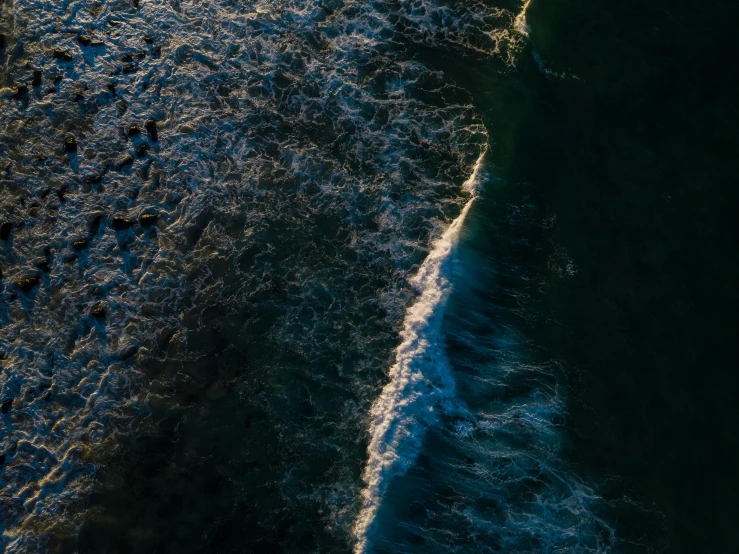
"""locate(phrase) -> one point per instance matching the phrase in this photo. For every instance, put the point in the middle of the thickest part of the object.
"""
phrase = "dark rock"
(133, 130)
(93, 179)
(61, 191)
(94, 224)
(144, 171)
(58, 78)
(151, 126)
(20, 91)
(203, 218)
(98, 311)
(111, 87)
(148, 39)
(69, 257)
(84, 40)
(27, 283)
(193, 234)
(141, 150)
(120, 223)
(36, 82)
(148, 219)
(126, 58)
(127, 352)
(43, 265)
(122, 162)
(70, 145)
(114, 22)
(97, 43)
(63, 55)
(2, 459)
(80, 244)
(140, 55)
(47, 397)
(78, 97)
(3, 41)
(5, 229)
(129, 68)
(6, 405)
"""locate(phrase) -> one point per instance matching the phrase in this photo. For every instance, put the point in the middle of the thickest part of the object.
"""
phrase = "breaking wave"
(420, 382)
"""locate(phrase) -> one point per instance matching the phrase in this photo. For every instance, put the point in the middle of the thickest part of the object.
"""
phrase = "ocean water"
(328, 276)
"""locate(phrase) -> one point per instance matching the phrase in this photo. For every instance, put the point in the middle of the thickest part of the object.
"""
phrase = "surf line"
(420, 379)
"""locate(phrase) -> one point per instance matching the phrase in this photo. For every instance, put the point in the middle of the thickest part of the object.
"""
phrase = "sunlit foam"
(420, 380)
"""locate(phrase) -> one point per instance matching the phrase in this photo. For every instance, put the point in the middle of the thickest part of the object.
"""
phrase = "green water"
(631, 169)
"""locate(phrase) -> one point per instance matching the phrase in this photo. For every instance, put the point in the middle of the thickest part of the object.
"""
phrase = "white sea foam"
(420, 380)
(520, 24)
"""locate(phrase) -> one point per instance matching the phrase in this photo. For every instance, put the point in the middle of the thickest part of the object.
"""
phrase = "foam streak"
(420, 379)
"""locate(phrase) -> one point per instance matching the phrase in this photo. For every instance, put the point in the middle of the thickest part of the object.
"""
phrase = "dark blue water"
(320, 276)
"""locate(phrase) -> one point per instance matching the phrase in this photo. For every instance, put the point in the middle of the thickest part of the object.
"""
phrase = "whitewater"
(420, 382)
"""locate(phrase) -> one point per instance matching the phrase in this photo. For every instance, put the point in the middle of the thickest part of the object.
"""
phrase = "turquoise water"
(423, 277)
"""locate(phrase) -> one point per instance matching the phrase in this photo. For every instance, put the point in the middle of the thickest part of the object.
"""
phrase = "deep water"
(382, 277)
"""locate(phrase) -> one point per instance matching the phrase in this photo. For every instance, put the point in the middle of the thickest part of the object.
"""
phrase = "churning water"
(231, 286)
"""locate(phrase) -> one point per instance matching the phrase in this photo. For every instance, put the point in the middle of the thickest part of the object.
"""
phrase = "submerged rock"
(121, 223)
(28, 282)
(43, 265)
(148, 219)
(70, 145)
(5, 230)
(20, 91)
(126, 352)
(151, 126)
(94, 223)
(63, 55)
(122, 163)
